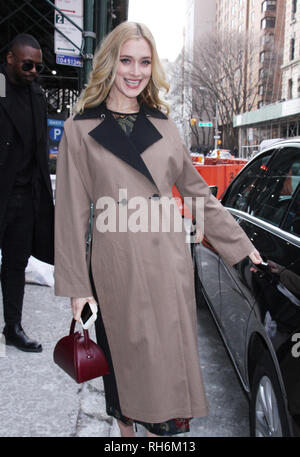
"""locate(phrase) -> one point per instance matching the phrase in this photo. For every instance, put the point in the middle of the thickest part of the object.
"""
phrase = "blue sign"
(73, 61)
(56, 134)
(55, 123)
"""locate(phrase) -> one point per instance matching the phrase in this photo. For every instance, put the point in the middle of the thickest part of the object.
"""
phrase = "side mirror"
(214, 190)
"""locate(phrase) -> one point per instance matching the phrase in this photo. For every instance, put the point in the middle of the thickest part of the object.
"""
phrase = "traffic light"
(219, 142)
(193, 121)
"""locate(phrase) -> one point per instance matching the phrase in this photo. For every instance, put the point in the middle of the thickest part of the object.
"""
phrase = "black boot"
(15, 336)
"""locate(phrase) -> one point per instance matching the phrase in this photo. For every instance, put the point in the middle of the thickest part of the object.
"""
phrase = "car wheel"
(267, 411)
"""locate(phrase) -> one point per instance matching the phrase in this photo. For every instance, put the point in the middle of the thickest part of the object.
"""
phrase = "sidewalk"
(37, 399)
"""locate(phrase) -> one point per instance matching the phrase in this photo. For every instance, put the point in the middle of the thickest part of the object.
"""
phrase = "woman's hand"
(255, 257)
(78, 304)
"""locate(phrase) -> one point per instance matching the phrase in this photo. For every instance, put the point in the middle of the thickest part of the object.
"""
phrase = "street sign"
(55, 132)
(70, 7)
(205, 124)
(73, 9)
(73, 61)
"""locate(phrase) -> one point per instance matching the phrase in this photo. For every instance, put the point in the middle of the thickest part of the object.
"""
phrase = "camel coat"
(144, 279)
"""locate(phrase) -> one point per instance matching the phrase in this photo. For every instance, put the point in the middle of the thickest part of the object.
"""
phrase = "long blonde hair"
(105, 63)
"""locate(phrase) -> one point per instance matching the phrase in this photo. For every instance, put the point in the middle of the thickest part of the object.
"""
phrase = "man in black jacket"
(26, 203)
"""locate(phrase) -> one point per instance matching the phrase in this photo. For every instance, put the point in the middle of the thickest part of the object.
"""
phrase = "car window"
(276, 190)
(240, 193)
(292, 222)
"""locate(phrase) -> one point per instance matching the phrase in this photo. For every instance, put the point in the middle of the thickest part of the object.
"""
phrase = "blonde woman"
(122, 152)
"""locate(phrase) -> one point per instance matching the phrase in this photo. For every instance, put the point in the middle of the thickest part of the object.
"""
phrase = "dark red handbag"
(79, 356)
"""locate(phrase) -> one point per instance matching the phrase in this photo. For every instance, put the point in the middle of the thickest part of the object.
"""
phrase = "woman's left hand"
(255, 257)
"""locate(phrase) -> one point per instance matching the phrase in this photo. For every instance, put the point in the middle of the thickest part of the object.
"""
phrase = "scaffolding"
(275, 121)
(62, 83)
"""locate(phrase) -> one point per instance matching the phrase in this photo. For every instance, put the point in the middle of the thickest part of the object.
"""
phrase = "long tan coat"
(144, 280)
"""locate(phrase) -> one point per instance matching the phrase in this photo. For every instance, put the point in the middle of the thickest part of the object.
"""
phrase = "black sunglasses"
(29, 64)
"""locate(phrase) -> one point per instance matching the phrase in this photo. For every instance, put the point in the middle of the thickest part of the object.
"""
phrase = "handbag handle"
(86, 337)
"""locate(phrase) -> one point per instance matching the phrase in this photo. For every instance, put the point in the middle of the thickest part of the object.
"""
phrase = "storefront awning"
(271, 112)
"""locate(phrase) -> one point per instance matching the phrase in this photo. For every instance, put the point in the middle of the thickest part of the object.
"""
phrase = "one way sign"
(74, 10)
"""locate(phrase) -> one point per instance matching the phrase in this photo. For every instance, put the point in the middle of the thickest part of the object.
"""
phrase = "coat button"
(8, 143)
(155, 196)
(123, 201)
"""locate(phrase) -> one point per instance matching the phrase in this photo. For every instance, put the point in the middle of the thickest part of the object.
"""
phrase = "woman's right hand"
(78, 304)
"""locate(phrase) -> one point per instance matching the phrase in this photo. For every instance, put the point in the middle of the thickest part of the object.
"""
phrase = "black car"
(257, 311)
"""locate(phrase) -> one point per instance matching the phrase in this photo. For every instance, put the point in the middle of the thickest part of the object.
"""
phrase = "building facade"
(200, 21)
(280, 119)
(291, 54)
(271, 77)
(262, 24)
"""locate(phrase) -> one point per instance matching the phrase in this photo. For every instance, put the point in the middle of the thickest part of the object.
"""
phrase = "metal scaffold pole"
(89, 38)
(100, 20)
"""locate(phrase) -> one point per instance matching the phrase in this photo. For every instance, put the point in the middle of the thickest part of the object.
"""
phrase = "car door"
(207, 260)
(277, 236)
(239, 196)
(265, 214)
(236, 297)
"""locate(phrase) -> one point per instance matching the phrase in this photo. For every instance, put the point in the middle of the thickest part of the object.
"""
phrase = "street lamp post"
(205, 89)
(216, 126)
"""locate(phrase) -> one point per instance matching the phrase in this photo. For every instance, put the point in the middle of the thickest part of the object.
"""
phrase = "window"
(290, 88)
(268, 5)
(268, 23)
(264, 56)
(294, 9)
(261, 73)
(261, 89)
(267, 39)
(292, 222)
(292, 49)
(240, 194)
(276, 190)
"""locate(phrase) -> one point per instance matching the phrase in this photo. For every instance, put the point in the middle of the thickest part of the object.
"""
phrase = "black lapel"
(110, 135)
(39, 119)
(11, 108)
(144, 133)
(39, 110)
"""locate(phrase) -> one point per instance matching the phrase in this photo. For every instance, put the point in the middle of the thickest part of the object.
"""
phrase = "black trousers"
(16, 241)
(109, 381)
